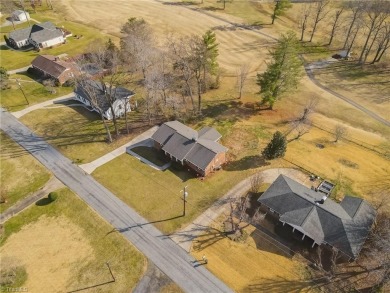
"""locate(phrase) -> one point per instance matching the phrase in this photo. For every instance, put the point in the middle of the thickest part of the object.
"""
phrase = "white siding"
(22, 43)
(53, 42)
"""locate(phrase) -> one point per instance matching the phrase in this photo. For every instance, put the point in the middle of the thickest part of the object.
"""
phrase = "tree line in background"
(348, 21)
(173, 75)
(362, 25)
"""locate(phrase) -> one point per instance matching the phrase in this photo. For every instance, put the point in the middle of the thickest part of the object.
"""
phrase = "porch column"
(313, 244)
(303, 236)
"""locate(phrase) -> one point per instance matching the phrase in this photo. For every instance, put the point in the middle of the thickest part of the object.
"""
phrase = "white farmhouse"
(20, 15)
(41, 35)
(85, 90)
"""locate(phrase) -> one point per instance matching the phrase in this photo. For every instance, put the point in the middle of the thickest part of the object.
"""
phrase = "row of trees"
(173, 75)
(361, 23)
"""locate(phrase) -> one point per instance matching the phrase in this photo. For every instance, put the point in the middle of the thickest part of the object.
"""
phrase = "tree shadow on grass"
(245, 163)
(208, 238)
(43, 202)
(280, 284)
(140, 225)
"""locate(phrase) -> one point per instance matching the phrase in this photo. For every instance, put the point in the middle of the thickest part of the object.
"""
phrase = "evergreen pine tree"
(276, 148)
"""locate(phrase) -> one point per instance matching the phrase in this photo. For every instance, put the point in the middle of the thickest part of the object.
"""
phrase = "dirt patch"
(48, 249)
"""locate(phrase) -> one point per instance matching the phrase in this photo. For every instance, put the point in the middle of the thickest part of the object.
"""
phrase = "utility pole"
(20, 87)
(185, 194)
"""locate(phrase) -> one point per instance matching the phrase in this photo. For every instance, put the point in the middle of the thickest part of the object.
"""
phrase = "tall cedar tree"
(211, 64)
(276, 148)
(284, 71)
(280, 7)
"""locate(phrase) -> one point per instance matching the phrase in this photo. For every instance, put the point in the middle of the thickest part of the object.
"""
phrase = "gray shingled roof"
(97, 89)
(20, 35)
(344, 226)
(185, 143)
(163, 134)
(179, 146)
(38, 32)
(48, 64)
(209, 133)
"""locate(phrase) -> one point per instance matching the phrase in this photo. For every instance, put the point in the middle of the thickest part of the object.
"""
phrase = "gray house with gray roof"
(344, 226)
(198, 150)
(41, 35)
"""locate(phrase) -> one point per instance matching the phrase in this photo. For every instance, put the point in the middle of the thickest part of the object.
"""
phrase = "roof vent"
(193, 138)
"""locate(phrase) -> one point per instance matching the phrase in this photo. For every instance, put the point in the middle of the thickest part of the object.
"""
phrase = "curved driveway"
(161, 250)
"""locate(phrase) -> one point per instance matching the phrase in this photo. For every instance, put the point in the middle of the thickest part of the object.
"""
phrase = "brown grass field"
(20, 173)
(64, 246)
(246, 131)
(254, 265)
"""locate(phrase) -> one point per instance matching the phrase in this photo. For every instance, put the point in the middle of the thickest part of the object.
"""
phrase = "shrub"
(53, 196)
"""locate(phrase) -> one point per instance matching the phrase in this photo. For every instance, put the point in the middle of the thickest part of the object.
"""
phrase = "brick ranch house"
(41, 35)
(52, 67)
(200, 151)
(343, 226)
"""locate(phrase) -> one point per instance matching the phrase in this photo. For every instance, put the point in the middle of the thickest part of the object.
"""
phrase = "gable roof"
(97, 89)
(52, 65)
(209, 133)
(39, 33)
(185, 143)
(344, 226)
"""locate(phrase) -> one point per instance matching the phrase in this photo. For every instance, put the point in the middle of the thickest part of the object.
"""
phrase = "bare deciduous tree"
(138, 43)
(376, 14)
(256, 182)
(321, 11)
(356, 9)
(304, 18)
(340, 132)
(382, 43)
(242, 75)
(335, 24)
(302, 124)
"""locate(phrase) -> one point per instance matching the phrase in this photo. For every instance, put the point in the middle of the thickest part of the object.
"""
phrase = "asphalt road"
(160, 249)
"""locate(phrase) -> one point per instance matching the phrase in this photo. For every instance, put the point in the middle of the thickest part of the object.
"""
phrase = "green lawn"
(12, 59)
(156, 194)
(14, 100)
(126, 262)
(78, 133)
(20, 173)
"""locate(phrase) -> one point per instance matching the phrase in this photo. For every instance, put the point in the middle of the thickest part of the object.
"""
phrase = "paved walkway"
(185, 236)
(20, 113)
(170, 258)
(90, 167)
(51, 185)
(19, 70)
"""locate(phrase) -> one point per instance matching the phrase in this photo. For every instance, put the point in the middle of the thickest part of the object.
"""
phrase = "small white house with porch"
(94, 94)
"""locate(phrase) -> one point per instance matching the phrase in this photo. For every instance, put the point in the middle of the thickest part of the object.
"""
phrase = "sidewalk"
(20, 113)
(90, 167)
(51, 185)
(185, 236)
(19, 70)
